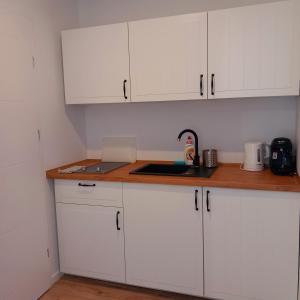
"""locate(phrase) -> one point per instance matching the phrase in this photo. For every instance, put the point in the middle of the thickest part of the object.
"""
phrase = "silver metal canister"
(210, 158)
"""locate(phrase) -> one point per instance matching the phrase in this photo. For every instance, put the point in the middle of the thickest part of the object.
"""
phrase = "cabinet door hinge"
(33, 62)
(39, 134)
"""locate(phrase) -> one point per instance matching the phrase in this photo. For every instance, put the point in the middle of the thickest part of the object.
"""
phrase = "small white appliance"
(119, 149)
(255, 154)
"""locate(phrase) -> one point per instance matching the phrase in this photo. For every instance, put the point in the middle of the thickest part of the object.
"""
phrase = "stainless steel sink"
(174, 170)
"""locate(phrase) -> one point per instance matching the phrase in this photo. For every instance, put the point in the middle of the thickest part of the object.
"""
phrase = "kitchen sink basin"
(174, 170)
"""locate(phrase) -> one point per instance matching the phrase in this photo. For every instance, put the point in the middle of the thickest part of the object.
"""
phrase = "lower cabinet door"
(91, 241)
(251, 243)
(163, 237)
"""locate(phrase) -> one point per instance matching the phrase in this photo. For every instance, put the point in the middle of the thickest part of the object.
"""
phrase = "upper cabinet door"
(96, 64)
(253, 51)
(168, 58)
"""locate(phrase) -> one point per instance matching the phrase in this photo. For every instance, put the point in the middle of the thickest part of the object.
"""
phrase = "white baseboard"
(55, 277)
(52, 280)
(223, 157)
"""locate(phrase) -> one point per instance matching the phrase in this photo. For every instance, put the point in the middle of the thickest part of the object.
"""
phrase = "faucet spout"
(196, 161)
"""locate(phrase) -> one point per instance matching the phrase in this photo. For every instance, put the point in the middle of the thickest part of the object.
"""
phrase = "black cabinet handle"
(213, 84)
(117, 220)
(196, 200)
(124, 88)
(207, 201)
(201, 84)
(86, 185)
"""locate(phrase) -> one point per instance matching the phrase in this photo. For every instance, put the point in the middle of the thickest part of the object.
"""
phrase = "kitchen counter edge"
(226, 176)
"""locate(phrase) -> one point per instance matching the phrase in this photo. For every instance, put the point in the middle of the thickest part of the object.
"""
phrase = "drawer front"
(89, 192)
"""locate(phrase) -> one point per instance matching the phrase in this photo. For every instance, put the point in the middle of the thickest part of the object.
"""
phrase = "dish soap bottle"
(189, 151)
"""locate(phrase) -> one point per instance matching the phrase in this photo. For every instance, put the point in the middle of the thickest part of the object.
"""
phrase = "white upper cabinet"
(96, 64)
(168, 58)
(253, 51)
(163, 240)
(251, 243)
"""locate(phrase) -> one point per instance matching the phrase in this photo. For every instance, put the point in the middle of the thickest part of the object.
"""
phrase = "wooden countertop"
(226, 176)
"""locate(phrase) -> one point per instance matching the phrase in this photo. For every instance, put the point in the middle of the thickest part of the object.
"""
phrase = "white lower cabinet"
(250, 238)
(163, 237)
(91, 238)
(251, 241)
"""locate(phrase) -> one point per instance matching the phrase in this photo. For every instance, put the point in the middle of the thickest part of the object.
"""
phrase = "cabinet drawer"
(89, 192)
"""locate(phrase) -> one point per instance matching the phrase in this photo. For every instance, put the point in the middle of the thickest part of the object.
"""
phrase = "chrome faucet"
(196, 160)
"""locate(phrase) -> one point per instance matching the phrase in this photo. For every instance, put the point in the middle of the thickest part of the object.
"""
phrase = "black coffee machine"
(281, 157)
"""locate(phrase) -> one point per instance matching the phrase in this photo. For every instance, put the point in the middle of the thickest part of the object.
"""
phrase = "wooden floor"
(76, 288)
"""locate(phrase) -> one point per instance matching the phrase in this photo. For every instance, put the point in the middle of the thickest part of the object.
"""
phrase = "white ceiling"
(98, 12)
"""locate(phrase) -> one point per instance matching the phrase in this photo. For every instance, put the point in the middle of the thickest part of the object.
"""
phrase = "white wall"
(298, 138)
(98, 12)
(224, 124)
(62, 127)
(298, 130)
(32, 99)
